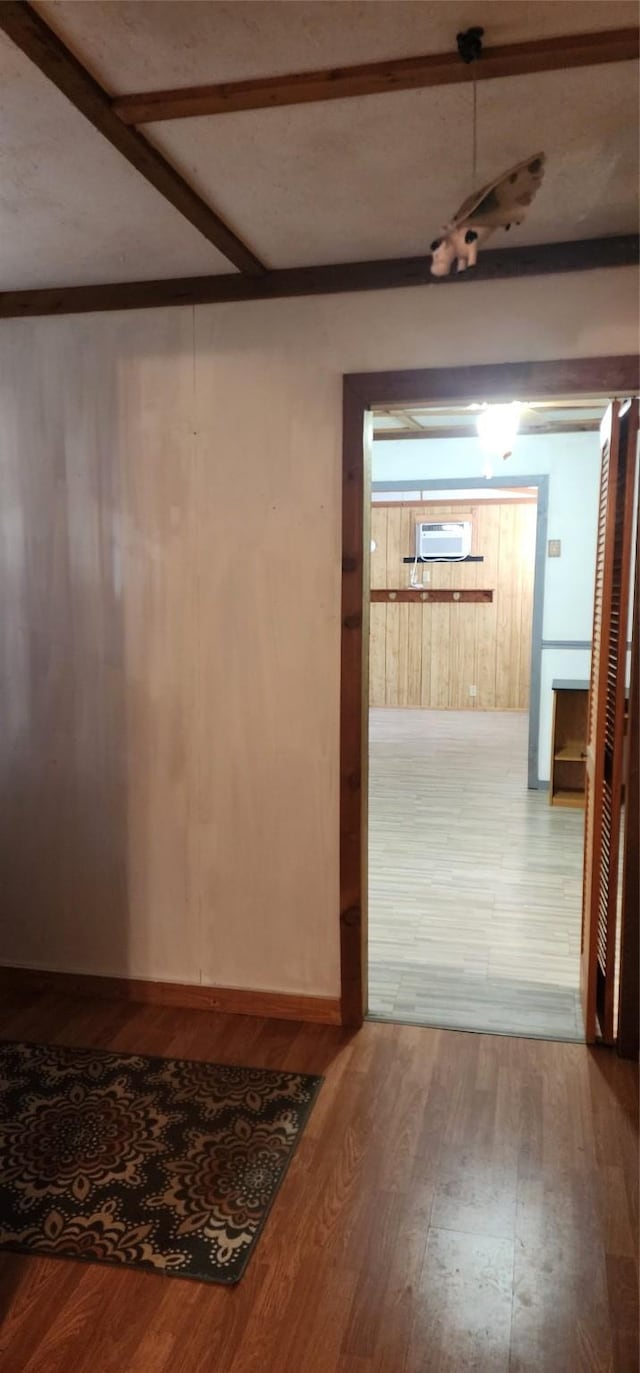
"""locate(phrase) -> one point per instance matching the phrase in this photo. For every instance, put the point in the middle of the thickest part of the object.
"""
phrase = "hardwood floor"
(475, 882)
(458, 1204)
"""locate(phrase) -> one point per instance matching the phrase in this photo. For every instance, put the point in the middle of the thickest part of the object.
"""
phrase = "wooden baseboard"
(319, 1010)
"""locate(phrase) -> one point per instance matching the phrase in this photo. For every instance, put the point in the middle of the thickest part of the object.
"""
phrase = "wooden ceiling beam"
(378, 78)
(39, 43)
(462, 412)
(468, 431)
(501, 264)
(409, 422)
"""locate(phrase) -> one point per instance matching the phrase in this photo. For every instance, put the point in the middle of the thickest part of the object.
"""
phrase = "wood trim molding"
(606, 376)
(318, 1010)
(500, 264)
(568, 377)
(378, 78)
(354, 734)
(25, 27)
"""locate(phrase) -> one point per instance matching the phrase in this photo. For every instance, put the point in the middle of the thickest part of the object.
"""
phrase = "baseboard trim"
(318, 1010)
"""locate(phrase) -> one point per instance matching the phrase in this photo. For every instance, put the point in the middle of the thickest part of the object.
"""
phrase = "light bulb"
(497, 428)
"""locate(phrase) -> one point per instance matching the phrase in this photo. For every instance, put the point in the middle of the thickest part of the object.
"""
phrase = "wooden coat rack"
(420, 593)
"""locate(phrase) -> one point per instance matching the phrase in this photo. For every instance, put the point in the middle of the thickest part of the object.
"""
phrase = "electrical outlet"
(473, 691)
(555, 548)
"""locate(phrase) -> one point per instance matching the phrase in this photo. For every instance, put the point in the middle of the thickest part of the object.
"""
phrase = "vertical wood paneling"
(392, 653)
(433, 654)
(391, 621)
(526, 561)
(377, 654)
(487, 635)
(396, 549)
(440, 667)
(426, 647)
(458, 655)
(403, 654)
(506, 642)
(414, 654)
(169, 602)
(379, 553)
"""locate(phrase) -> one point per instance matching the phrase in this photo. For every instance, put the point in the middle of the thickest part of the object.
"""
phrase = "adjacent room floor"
(475, 883)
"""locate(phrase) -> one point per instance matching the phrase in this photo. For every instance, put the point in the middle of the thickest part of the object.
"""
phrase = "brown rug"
(159, 1163)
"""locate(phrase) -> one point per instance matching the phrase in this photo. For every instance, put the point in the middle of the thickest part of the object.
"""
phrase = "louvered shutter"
(605, 740)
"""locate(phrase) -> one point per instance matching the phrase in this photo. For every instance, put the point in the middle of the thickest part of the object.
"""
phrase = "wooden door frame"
(604, 376)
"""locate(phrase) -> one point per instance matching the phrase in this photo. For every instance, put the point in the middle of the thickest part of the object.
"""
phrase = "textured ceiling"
(71, 209)
(138, 46)
(379, 176)
(362, 178)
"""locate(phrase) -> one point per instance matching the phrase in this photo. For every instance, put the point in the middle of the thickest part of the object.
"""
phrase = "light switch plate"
(555, 548)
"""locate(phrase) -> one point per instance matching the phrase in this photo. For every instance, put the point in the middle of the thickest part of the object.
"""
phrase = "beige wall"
(169, 630)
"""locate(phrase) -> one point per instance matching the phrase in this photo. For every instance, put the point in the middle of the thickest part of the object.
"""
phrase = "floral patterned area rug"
(159, 1163)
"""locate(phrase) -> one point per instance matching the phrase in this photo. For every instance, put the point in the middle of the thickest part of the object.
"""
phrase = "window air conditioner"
(450, 540)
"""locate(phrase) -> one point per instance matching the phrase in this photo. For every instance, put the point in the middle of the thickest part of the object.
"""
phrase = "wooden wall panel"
(487, 574)
(527, 539)
(506, 641)
(379, 537)
(377, 655)
(169, 600)
(440, 665)
(403, 654)
(239, 687)
(414, 656)
(429, 655)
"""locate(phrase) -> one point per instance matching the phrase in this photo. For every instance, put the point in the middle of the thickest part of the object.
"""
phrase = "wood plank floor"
(475, 883)
(458, 1204)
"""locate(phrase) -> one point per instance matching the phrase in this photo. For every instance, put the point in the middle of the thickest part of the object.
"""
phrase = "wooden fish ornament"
(502, 203)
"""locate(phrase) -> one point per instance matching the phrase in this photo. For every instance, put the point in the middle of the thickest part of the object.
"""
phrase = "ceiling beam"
(466, 431)
(409, 422)
(502, 264)
(461, 412)
(39, 43)
(377, 78)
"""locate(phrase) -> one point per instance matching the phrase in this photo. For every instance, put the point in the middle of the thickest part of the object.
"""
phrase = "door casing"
(604, 376)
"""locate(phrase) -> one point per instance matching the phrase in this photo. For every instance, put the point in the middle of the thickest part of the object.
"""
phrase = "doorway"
(362, 394)
(474, 881)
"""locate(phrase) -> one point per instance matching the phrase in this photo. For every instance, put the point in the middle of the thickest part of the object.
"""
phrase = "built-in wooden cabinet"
(568, 743)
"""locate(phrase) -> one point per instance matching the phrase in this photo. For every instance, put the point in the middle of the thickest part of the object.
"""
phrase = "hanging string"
(470, 49)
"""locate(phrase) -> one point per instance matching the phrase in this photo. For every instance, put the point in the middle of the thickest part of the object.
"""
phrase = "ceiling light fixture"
(497, 427)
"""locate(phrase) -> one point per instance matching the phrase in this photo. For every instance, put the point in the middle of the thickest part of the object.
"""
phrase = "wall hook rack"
(412, 595)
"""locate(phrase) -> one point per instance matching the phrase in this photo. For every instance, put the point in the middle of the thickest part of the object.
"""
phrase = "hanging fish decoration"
(502, 203)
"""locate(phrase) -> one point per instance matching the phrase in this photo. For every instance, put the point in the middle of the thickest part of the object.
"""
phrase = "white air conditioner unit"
(450, 540)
